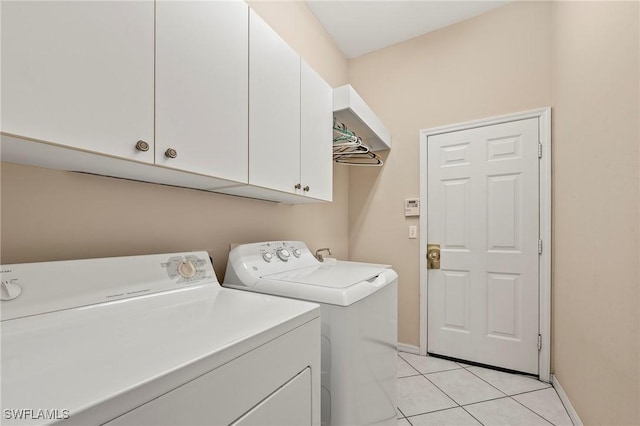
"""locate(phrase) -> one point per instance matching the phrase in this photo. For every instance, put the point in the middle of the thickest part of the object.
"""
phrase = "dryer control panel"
(36, 288)
(186, 268)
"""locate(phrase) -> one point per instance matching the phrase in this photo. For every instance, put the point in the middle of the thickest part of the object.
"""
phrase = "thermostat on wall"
(412, 207)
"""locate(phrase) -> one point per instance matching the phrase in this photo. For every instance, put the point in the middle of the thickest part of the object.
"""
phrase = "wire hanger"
(348, 148)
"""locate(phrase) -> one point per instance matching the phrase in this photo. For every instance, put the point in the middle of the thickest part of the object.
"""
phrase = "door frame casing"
(544, 202)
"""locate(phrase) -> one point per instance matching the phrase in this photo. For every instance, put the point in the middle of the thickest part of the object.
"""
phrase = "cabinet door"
(316, 121)
(202, 87)
(79, 74)
(274, 109)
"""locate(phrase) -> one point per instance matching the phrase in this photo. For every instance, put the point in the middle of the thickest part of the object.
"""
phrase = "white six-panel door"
(483, 210)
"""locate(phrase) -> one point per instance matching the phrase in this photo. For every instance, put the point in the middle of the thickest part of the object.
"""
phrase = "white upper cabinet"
(290, 121)
(202, 87)
(80, 74)
(316, 121)
(200, 94)
(274, 109)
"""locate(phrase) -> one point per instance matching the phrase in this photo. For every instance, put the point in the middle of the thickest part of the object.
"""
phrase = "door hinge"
(539, 342)
(539, 150)
(539, 246)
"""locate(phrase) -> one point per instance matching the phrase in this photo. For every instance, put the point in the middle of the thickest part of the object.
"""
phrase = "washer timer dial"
(283, 254)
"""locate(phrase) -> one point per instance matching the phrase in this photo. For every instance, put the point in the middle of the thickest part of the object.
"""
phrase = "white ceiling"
(360, 27)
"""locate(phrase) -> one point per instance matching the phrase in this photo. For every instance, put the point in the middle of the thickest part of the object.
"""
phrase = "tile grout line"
(474, 417)
(538, 414)
(521, 393)
(531, 391)
(488, 400)
(505, 395)
(403, 415)
(450, 397)
(495, 387)
(434, 411)
(410, 365)
(491, 399)
(437, 387)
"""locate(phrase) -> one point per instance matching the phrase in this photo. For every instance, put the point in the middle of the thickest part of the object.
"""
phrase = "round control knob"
(267, 257)
(171, 153)
(187, 269)
(283, 254)
(10, 290)
(296, 252)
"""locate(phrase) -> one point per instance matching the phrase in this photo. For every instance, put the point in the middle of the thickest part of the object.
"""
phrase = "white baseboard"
(403, 347)
(573, 414)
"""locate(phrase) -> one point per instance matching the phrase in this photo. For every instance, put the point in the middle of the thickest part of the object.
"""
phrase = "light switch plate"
(413, 231)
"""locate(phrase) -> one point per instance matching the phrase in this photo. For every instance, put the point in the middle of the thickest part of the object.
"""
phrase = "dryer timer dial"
(187, 269)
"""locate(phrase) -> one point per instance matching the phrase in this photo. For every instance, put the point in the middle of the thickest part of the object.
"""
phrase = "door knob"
(433, 256)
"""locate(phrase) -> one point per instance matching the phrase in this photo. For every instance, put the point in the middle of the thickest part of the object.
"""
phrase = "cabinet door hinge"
(539, 150)
(539, 246)
(539, 342)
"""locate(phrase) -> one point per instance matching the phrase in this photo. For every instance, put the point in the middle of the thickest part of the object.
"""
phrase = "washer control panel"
(255, 260)
(281, 251)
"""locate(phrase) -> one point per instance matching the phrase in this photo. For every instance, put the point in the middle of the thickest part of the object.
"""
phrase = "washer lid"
(342, 283)
(336, 276)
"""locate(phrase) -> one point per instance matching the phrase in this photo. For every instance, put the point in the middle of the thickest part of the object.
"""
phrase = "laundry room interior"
(578, 60)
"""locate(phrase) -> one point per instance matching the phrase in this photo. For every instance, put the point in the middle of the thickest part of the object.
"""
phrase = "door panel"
(483, 210)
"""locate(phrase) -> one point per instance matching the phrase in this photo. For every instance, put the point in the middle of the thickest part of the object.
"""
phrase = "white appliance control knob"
(187, 269)
(296, 252)
(267, 256)
(10, 290)
(283, 254)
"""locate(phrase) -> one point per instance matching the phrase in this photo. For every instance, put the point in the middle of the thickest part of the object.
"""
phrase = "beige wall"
(596, 138)
(581, 58)
(494, 64)
(53, 215)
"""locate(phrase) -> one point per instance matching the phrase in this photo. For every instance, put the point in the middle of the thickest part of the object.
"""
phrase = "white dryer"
(153, 340)
(358, 303)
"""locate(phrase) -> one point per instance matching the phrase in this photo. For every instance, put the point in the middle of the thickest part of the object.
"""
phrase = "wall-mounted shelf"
(349, 108)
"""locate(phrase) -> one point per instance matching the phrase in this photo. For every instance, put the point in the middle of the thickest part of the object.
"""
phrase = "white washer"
(359, 323)
(153, 340)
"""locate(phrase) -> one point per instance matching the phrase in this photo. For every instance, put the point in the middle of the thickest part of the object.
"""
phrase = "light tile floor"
(434, 391)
